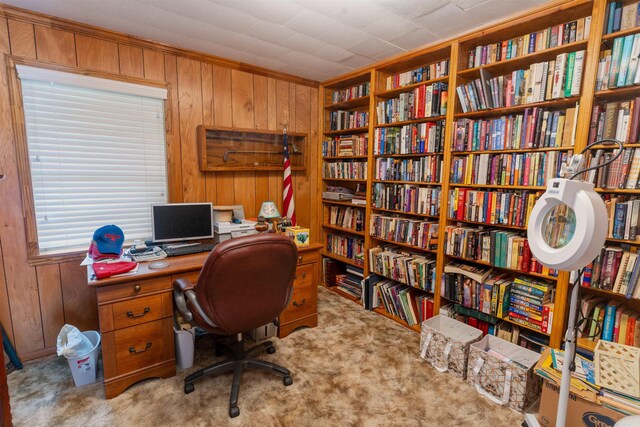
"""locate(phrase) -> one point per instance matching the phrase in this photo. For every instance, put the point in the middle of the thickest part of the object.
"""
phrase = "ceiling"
(316, 39)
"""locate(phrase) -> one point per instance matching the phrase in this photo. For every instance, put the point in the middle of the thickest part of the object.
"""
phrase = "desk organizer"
(504, 372)
(444, 342)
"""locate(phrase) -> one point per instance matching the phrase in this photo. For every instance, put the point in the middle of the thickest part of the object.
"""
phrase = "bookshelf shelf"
(513, 150)
(363, 129)
(343, 229)
(506, 187)
(506, 66)
(492, 112)
(343, 294)
(385, 313)
(404, 245)
(345, 157)
(527, 273)
(466, 221)
(406, 284)
(342, 203)
(341, 258)
(409, 122)
(587, 344)
(352, 103)
(616, 190)
(386, 181)
(344, 179)
(614, 146)
(403, 156)
(611, 36)
(618, 93)
(627, 242)
(392, 93)
(404, 213)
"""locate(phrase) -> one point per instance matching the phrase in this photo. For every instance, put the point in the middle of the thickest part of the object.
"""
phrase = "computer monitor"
(174, 222)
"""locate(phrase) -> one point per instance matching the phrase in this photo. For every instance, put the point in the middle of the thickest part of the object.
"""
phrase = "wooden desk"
(136, 316)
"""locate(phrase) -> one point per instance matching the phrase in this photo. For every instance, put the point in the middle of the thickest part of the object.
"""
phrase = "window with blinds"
(96, 154)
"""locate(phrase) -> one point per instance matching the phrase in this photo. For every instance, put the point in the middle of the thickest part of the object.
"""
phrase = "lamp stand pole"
(569, 353)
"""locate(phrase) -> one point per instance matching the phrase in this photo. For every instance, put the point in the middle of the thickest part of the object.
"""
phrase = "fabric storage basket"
(444, 342)
(504, 372)
(618, 367)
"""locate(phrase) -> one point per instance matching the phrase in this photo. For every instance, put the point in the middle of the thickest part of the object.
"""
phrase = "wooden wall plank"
(5, 309)
(244, 183)
(153, 64)
(51, 305)
(173, 144)
(301, 182)
(131, 62)
(208, 118)
(190, 108)
(261, 121)
(80, 303)
(22, 286)
(96, 54)
(54, 45)
(282, 117)
(223, 117)
(272, 124)
(23, 41)
(312, 166)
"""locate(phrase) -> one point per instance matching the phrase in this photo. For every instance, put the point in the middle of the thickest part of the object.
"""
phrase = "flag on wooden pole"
(287, 194)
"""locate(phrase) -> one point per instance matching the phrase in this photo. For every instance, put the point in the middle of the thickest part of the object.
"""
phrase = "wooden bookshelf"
(457, 51)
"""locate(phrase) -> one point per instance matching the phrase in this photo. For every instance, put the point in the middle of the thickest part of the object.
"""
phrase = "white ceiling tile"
(302, 43)
(469, 4)
(277, 12)
(332, 53)
(357, 13)
(375, 48)
(270, 32)
(344, 36)
(356, 61)
(311, 23)
(414, 39)
(411, 8)
(390, 27)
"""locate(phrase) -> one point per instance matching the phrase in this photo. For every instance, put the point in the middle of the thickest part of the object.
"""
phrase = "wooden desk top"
(177, 265)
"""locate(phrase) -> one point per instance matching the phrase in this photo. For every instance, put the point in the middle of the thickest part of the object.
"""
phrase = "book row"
(344, 120)
(399, 300)
(618, 66)
(491, 207)
(615, 120)
(346, 246)
(427, 169)
(423, 101)
(346, 145)
(531, 304)
(407, 198)
(345, 170)
(622, 173)
(415, 138)
(435, 70)
(619, 16)
(406, 267)
(504, 249)
(550, 37)
(523, 169)
(559, 78)
(609, 321)
(534, 128)
(350, 281)
(353, 92)
(624, 216)
(347, 217)
(615, 270)
(421, 234)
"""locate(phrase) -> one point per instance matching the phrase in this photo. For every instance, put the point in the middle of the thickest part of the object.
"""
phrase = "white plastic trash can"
(84, 367)
(185, 342)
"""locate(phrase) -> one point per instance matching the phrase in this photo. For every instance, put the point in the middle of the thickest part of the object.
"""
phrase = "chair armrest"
(184, 288)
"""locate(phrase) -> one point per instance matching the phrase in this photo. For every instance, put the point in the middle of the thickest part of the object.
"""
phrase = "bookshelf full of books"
(345, 173)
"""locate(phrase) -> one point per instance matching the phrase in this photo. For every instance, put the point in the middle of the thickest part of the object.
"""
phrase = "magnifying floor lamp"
(567, 228)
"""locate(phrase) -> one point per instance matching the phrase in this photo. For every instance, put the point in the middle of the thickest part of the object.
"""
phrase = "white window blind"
(97, 157)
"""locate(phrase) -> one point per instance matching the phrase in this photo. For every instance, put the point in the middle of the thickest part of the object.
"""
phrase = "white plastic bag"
(72, 342)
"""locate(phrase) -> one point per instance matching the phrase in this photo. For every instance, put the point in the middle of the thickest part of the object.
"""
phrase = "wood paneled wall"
(35, 301)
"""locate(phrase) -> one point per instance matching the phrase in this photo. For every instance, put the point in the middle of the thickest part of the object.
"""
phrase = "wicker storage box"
(618, 367)
(444, 342)
(504, 372)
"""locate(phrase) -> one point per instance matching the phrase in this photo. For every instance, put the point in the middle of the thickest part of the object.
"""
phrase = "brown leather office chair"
(245, 283)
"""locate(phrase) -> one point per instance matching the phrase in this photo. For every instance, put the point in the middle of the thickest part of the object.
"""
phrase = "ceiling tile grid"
(315, 39)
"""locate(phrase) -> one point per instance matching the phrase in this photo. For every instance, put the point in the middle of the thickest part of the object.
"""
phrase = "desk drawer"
(141, 346)
(132, 289)
(192, 276)
(141, 310)
(303, 301)
(307, 257)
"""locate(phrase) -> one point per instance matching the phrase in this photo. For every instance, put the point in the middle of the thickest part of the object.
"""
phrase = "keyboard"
(189, 249)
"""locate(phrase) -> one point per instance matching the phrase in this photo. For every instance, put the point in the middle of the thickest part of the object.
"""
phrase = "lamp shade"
(568, 225)
(269, 210)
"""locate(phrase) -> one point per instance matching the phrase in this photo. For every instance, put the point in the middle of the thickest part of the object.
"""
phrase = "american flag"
(287, 194)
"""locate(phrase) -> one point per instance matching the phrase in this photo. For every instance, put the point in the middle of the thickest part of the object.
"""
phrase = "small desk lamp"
(567, 229)
(268, 211)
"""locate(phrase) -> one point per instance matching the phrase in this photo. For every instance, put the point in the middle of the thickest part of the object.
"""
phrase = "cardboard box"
(299, 235)
(580, 412)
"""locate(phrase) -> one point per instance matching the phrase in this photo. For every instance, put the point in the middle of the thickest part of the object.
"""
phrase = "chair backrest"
(246, 282)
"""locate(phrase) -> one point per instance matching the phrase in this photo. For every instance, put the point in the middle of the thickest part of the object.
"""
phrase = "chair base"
(238, 361)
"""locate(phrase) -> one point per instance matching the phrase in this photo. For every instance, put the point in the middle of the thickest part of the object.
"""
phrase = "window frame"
(34, 256)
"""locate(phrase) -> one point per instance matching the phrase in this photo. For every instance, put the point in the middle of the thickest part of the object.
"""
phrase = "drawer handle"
(136, 288)
(304, 275)
(299, 259)
(301, 303)
(130, 313)
(134, 351)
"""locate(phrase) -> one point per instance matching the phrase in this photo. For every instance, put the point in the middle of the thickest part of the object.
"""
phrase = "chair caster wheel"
(271, 350)
(188, 388)
(287, 381)
(234, 411)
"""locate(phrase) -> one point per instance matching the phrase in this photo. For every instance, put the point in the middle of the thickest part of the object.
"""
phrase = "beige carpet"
(355, 368)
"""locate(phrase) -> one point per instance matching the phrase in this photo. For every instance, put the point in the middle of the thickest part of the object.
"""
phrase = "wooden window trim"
(34, 256)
